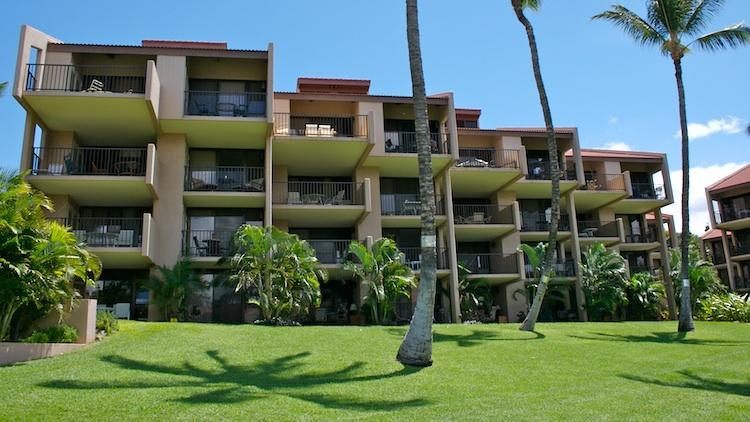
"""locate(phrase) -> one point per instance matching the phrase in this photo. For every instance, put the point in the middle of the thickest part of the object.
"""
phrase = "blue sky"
(614, 91)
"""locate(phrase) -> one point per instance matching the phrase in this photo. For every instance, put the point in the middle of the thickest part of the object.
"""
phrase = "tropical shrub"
(535, 258)
(603, 279)
(55, 334)
(40, 260)
(172, 287)
(279, 272)
(704, 279)
(645, 295)
(384, 275)
(106, 322)
(476, 296)
(725, 307)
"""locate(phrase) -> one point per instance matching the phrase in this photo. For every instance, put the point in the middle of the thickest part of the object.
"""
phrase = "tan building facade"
(160, 151)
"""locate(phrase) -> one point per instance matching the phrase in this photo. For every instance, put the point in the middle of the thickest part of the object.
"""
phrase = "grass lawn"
(566, 371)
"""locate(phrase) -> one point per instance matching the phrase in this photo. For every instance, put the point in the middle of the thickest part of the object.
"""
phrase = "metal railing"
(224, 179)
(86, 78)
(533, 222)
(406, 204)
(542, 170)
(207, 243)
(740, 249)
(331, 251)
(731, 213)
(89, 161)
(320, 126)
(318, 193)
(225, 103)
(110, 232)
(648, 237)
(482, 214)
(489, 263)
(565, 268)
(413, 258)
(597, 228)
(648, 191)
(406, 142)
(604, 182)
(488, 157)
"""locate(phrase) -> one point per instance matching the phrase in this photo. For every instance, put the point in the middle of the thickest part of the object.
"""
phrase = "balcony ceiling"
(310, 216)
(638, 206)
(121, 258)
(119, 119)
(405, 165)
(480, 182)
(592, 200)
(224, 199)
(646, 246)
(112, 191)
(496, 279)
(318, 157)
(408, 221)
(482, 232)
(220, 132)
(540, 189)
(742, 223)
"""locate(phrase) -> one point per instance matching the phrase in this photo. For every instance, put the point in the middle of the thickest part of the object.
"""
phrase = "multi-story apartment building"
(727, 242)
(160, 151)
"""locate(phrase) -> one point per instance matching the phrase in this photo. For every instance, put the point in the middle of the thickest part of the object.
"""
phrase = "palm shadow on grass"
(230, 383)
(697, 382)
(474, 338)
(667, 337)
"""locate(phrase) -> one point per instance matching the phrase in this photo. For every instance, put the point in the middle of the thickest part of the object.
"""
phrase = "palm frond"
(669, 16)
(531, 4)
(732, 37)
(638, 28)
(702, 13)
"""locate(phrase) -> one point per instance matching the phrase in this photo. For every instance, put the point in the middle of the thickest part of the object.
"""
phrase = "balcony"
(241, 187)
(606, 232)
(406, 143)
(648, 191)
(740, 249)
(118, 242)
(320, 127)
(320, 204)
(413, 258)
(95, 101)
(480, 172)
(207, 243)
(225, 104)
(604, 182)
(331, 252)
(488, 158)
(564, 269)
(734, 217)
(493, 267)
(542, 170)
(96, 176)
(648, 237)
(535, 227)
(482, 222)
(404, 210)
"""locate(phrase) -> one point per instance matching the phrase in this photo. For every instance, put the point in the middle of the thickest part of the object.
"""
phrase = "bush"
(56, 334)
(725, 307)
(107, 323)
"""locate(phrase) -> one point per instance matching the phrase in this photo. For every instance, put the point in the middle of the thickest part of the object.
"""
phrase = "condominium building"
(161, 151)
(727, 242)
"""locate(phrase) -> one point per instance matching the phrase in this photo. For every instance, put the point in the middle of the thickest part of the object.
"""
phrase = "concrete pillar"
(168, 209)
(666, 278)
(576, 252)
(268, 175)
(730, 264)
(27, 147)
(452, 258)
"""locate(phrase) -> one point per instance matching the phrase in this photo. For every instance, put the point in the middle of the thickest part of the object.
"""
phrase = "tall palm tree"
(666, 24)
(536, 305)
(416, 348)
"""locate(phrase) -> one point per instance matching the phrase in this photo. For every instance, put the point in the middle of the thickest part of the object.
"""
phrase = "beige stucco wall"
(173, 84)
(168, 210)
(82, 316)
(226, 68)
(370, 224)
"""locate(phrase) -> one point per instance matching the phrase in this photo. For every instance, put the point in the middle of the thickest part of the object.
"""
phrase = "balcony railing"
(106, 232)
(224, 179)
(86, 78)
(330, 251)
(604, 182)
(406, 142)
(740, 249)
(562, 269)
(225, 103)
(648, 191)
(320, 126)
(318, 193)
(489, 263)
(597, 229)
(648, 237)
(413, 258)
(538, 223)
(542, 170)
(207, 243)
(488, 157)
(732, 213)
(86, 161)
(406, 204)
(482, 214)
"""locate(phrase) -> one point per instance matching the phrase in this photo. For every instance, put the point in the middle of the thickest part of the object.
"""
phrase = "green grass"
(565, 371)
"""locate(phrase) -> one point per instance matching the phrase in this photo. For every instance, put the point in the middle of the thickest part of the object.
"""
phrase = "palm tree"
(475, 294)
(171, 287)
(416, 348)
(603, 278)
(547, 266)
(278, 269)
(645, 296)
(384, 275)
(2, 87)
(667, 22)
(41, 259)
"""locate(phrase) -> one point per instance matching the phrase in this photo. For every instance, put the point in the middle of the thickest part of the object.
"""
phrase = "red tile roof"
(738, 178)
(713, 234)
(664, 216)
(333, 86)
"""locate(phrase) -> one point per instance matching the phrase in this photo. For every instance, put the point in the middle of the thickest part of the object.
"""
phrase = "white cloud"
(619, 146)
(726, 125)
(613, 120)
(700, 177)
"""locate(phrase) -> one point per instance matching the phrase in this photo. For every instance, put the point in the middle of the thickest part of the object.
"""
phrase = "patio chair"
(122, 310)
(338, 199)
(325, 130)
(96, 86)
(125, 238)
(478, 218)
(311, 129)
(200, 250)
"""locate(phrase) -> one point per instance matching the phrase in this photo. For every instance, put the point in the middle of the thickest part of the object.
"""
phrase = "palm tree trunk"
(416, 348)
(536, 305)
(686, 315)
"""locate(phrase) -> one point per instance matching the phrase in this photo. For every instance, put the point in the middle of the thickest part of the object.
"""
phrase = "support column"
(452, 258)
(268, 174)
(728, 258)
(576, 252)
(27, 147)
(666, 278)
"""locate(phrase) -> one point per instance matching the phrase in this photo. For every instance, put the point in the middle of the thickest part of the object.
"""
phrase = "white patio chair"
(122, 310)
